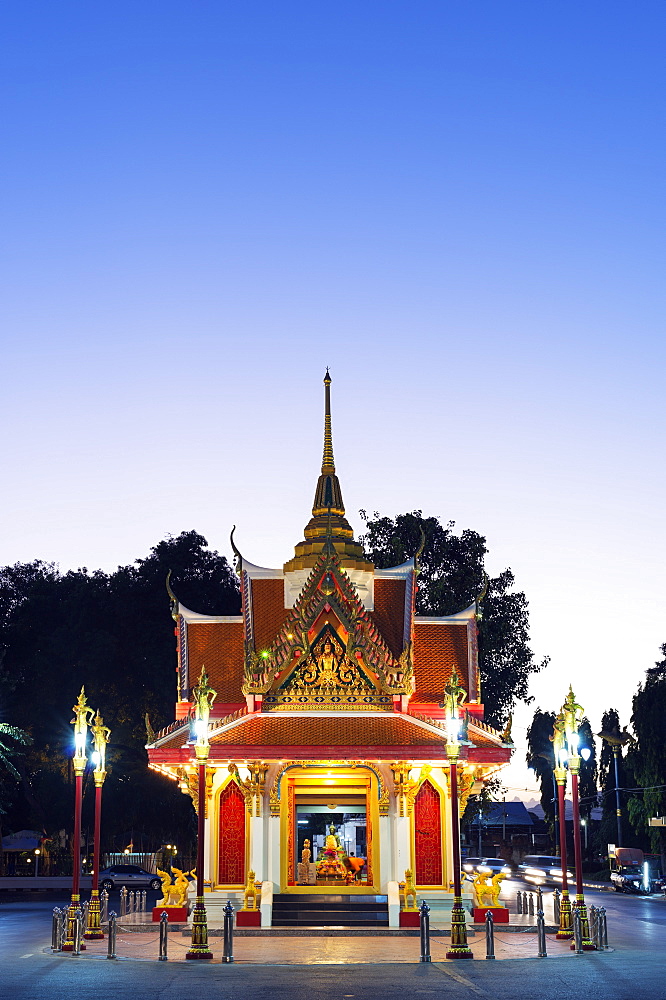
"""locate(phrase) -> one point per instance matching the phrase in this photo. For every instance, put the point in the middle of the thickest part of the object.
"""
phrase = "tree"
(610, 723)
(451, 577)
(113, 633)
(541, 760)
(12, 739)
(648, 755)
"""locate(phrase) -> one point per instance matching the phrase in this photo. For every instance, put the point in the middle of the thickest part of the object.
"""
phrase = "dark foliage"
(451, 577)
(114, 634)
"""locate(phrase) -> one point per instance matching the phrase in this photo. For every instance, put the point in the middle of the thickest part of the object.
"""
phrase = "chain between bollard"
(228, 948)
(490, 936)
(164, 935)
(541, 935)
(578, 932)
(56, 943)
(111, 948)
(519, 902)
(556, 907)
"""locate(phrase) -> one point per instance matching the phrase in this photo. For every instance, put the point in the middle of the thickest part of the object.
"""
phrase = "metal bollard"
(104, 900)
(111, 949)
(424, 920)
(78, 931)
(519, 903)
(531, 904)
(143, 901)
(63, 926)
(524, 902)
(541, 935)
(131, 902)
(604, 928)
(123, 901)
(592, 922)
(556, 907)
(228, 948)
(578, 932)
(56, 943)
(539, 899)
(164, 935)
(490, 936)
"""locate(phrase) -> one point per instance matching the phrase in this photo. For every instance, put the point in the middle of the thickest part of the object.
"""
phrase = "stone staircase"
(324, 910)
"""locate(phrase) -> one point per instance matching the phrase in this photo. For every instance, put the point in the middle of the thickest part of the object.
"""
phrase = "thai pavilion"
(327, 768)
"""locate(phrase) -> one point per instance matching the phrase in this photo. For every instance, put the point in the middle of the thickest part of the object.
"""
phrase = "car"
(542, 868)
(469, 864)
(131, 876)
(493, 866)
(633, 878)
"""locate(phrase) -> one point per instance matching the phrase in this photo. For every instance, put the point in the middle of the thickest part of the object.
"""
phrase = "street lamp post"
(565, 931)
(204, 696)
(618, 803)
(571, 716)
(101, 735)
(82, 713)
(454, 696)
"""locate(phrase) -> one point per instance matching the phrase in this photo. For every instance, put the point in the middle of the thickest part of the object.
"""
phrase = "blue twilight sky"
(459, 207)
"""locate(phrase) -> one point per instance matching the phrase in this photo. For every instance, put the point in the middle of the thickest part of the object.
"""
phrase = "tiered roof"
(328, 656)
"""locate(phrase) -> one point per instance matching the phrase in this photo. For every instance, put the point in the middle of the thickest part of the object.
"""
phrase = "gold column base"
(68, 943)
(459, 947)
(94, 930)
(588, 943)
(565, 932)
(199, 947)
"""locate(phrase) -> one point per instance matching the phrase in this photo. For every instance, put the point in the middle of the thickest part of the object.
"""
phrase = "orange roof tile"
(389, 613)
(268, 611)
(219, 647)
(437, 650)
(287, 729)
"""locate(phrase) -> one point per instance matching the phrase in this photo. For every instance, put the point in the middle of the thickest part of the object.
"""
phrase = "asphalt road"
(633, 971)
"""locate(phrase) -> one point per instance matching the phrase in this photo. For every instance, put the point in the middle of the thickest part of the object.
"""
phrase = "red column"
(68, 943)
(566, 928)
(455, 824)
(576, 836)
(98, 831)
(199, 947)
(459, 947)
(588, 944)
(201, 827)
(563, 835)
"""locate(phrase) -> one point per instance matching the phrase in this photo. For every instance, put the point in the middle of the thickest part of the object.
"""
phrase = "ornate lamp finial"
(203, 698)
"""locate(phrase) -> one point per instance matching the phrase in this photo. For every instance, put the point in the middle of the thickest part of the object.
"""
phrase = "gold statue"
(408, 891)
(487, 895)
(252, 892)
(306, 854)
(174, 894)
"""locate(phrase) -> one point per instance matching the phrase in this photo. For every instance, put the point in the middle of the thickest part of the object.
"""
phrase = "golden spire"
(328, 495)
(328, 525)
(328, 462)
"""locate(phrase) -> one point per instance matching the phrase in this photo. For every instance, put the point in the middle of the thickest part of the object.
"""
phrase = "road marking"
(29, 955)
(461, 979)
